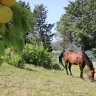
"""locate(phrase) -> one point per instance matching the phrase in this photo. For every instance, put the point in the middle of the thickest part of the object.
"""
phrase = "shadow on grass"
(56, 67)
(85, 79)
(28, 69)
(80, 78)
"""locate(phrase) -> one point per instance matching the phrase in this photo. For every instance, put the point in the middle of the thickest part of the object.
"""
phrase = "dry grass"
(36, 81)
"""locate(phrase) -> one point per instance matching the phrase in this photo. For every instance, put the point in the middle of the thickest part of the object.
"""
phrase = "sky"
(55, 9)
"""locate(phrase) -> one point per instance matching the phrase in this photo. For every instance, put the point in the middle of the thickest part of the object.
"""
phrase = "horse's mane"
(88, 61)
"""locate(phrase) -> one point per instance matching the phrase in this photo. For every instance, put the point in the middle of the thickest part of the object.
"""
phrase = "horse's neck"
(90, 67)
(88, 62)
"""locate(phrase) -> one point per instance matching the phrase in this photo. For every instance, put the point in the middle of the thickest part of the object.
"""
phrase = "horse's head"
(91, 75)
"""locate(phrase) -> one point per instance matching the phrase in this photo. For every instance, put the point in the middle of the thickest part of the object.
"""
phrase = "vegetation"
(37, 81)
(78, 24)
(25, 42)
(13, 58)
(37, 55)
(42, 29)
(18, 21)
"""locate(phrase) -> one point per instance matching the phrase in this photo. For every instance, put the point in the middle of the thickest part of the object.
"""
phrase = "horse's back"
(73, 57)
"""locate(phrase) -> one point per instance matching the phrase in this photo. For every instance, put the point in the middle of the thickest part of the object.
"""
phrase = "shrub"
(14, 59)
(37, 55)
(85, 70)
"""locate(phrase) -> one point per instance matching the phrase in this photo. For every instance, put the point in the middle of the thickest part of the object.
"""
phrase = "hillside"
(37, 81)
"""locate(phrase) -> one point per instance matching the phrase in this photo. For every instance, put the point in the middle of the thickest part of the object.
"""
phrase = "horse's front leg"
(81, 74)
(81, 71)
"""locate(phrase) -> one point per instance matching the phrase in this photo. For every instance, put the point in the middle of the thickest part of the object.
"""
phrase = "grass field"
(37, 81)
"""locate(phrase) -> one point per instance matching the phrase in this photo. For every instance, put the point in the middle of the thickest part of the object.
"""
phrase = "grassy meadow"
(37, 81)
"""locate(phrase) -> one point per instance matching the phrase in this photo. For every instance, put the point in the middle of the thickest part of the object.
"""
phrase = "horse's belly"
(73, 60)
(75, 63)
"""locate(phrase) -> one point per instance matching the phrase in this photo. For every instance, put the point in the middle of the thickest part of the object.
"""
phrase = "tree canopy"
(42, 30)
(78, 24)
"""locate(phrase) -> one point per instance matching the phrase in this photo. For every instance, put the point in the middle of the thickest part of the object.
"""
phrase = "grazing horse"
(78, 58)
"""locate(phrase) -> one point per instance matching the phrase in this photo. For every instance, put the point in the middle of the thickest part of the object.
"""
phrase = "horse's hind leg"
(70, 68)
(66, 63)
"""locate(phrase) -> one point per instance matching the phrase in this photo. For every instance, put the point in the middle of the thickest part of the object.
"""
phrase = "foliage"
(14, 60)
(94, 52)
(28, 37)
(42, 30)
(37, 55)
(42, 34)
(78, 24)
(12, 33)
(23, 4)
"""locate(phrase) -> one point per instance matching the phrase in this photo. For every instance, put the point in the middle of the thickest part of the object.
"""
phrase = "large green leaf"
(20, 45)
(24, 26)
(27, 13)
(17, 43)
(17, 21)
(6, 39)
(17, 8)
(16, 31)
(1, 61)
(2, 49)
(29, 23)
(3, 28)
(13, 42)
(28, 18)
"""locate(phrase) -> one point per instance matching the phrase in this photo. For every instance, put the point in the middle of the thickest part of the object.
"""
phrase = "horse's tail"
(60, 58)
(87, 61)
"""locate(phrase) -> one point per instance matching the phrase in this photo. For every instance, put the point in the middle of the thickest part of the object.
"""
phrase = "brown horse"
(78, 58)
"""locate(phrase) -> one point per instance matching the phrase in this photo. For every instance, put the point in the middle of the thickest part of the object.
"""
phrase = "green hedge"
(13, 58)
(37, 55)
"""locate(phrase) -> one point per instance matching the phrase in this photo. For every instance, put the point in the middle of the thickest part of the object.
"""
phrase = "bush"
(85, 70)
(14, 59)
(37, 55)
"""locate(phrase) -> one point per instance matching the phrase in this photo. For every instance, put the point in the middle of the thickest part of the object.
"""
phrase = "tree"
(78, 24)
(61, 41)
(42, 30)
(12, 32)
(23, 4)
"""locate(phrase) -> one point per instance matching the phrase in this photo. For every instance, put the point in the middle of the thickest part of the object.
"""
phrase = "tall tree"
(41, 28)
(79, 23)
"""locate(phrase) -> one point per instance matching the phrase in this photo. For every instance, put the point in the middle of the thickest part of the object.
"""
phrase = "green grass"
(37, 81)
